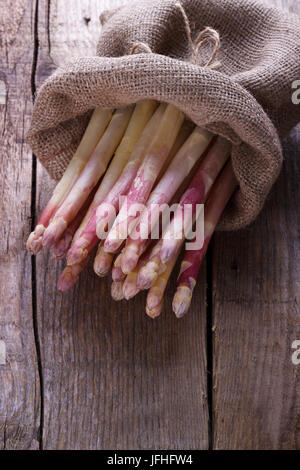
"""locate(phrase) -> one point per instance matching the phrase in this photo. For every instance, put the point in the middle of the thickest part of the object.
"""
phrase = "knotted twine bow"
(205, 36)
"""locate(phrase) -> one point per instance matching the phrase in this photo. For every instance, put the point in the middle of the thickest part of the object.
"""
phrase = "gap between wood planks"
(33, 222)
(34, 215)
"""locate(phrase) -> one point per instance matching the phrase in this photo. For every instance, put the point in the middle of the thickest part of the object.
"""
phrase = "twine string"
(205, 36)
(141, 45)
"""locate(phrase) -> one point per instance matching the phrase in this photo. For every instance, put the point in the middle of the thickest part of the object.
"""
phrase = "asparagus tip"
(181, 301)
(148, 275)
(54, 231)
(153, 299)
(117, 290)
(101, 268)
(66, 280)
(155, 312)
(130, 289)
(34, 241)
(129, 260)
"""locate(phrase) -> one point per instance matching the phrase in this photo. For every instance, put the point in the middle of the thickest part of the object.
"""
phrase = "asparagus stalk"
(130, 288)
(117, 290)
(180, 167)
(155, 295)
(59, 250)
(149, 272)
(185, 131)
(93, 170)
(220, 194)
(94, 131)
(146, 176)
(195, 194)
(117, 273)
(70, 275)
(102, 262)
(142, 113)
(154, 312)
(106, 210)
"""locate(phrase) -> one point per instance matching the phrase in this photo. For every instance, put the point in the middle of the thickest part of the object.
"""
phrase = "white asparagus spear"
(90, 175)
(94, 131)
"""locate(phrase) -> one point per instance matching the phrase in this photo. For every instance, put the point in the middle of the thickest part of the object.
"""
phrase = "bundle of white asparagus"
(130, 165)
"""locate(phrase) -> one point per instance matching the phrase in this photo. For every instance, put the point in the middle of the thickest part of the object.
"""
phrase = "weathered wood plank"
(113, 378)
(256, 317)
(19, 381)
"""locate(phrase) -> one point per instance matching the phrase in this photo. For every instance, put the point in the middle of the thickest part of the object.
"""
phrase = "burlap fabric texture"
(247, 98)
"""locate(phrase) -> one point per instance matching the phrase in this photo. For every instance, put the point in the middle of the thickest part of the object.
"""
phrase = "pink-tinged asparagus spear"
(130, 288)
(106, 211)
(94, 131)
(117, 273)
(59, 250)
(155, 295)
(180, 167)
(70, 275)
(154, 312)
(87, 233)
(195, 194)
(220, 194)
(102, 262)
(89, 221)
(146, 176)
(117, 290)
(149, 272)
(185, 131)
(90, 175)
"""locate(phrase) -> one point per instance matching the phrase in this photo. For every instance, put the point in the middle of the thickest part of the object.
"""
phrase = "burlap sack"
(247, 99)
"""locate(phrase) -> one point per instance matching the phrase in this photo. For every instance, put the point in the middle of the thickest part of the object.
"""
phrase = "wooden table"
(79, 371)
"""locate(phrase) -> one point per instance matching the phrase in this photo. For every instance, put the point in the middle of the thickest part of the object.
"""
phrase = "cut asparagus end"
(182, 301)
(117, 290)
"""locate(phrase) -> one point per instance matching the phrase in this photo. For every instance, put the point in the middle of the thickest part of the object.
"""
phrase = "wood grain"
(256, 317)
(19, 381)
(113, 378)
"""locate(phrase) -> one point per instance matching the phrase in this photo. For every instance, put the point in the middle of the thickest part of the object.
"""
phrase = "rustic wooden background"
(78, 371)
